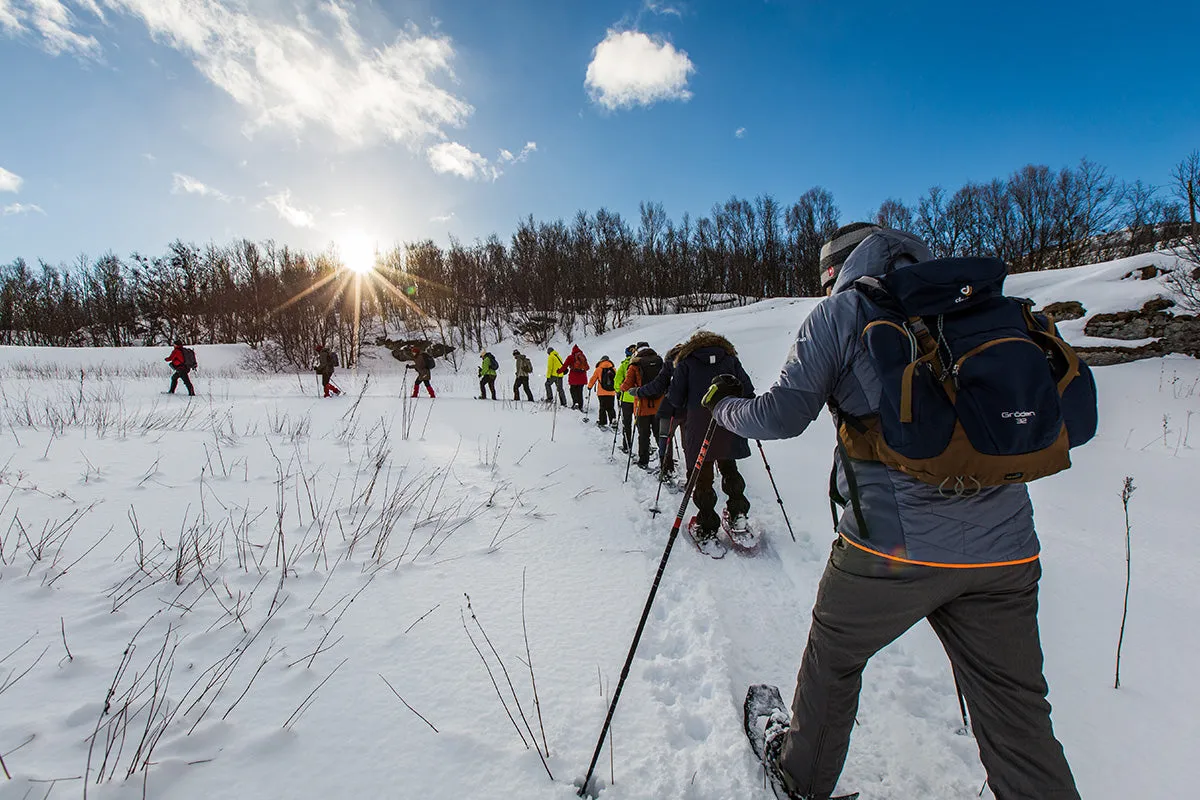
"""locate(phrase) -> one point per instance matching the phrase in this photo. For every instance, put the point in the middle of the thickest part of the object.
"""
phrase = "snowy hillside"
(248, 583)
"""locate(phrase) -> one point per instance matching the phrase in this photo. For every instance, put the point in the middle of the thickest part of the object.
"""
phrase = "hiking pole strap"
(835, 497)
(637, 636)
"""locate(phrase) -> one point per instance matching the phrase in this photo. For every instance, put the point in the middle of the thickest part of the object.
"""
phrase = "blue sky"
(129, 123)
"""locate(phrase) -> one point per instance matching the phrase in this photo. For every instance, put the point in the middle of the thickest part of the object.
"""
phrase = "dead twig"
(406, 705)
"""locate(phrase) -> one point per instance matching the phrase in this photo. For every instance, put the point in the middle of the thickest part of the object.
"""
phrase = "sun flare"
(357, 252)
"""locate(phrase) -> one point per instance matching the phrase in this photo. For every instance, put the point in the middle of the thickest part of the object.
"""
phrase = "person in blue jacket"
(969, 564)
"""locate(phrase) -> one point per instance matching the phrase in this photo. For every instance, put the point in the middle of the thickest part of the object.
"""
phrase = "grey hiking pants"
(986, 619)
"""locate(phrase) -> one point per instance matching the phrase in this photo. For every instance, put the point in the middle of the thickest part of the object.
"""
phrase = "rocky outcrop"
(1066, 310)
(1176, 333)
(1104, 356)
(1146, 273)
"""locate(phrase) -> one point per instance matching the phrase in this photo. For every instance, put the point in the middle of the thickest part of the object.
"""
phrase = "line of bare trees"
(557, 276)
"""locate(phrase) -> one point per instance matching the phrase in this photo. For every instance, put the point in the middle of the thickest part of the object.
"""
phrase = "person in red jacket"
(179, 363)
(575, 367)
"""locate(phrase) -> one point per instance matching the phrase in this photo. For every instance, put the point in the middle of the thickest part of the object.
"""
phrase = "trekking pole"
(962, 702)
(632, 421)
(654, 510)
(637, 636)
(776, 488)
(616, 431)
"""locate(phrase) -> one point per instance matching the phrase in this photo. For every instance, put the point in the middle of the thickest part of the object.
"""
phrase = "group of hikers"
(658, 395)
(961, 554)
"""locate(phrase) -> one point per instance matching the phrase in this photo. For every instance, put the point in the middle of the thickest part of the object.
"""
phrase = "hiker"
(324, 364)
(643, 368)
(423, 363)
(183, 361)
(906, 550)
(604, 384)
(667, 418)
(700, 359)
(554, 365)
(487, 374)
(575, 368)
(524, 370)
(626, 400)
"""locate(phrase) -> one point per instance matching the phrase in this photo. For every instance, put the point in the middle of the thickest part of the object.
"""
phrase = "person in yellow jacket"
(554, 363)
(604, 382)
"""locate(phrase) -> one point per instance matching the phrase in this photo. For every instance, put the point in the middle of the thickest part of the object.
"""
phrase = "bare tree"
(1186, 183)
(894, 214)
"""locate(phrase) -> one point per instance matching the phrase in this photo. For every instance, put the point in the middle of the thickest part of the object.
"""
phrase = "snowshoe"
(766, 720)
(742, 535)
(707, 543)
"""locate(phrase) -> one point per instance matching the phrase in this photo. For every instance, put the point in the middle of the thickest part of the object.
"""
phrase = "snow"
(484, 498)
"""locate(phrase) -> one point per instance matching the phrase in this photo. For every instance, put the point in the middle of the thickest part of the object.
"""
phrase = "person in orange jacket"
(643, 368)
(603, 383)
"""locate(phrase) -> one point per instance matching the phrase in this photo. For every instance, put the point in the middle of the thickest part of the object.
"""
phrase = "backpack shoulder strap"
(1048, 335)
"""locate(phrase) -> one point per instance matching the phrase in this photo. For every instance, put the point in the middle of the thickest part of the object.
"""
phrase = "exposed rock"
(1146, 273)
(1066, 310)
(1150, 320)
(1125, 326)
(1176, 333)
(1104, 356)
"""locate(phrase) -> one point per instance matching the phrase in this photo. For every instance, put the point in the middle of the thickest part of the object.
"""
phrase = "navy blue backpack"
(977, 389)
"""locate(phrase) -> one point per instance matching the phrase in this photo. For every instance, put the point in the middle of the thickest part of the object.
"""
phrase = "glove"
(722, 386)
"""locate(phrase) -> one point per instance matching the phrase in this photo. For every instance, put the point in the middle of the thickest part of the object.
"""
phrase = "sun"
(357, 251)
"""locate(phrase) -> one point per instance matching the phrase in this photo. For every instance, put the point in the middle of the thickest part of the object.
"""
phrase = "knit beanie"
(839, 247)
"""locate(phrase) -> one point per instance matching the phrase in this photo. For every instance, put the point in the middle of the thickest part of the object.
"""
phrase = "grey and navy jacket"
(905, 520)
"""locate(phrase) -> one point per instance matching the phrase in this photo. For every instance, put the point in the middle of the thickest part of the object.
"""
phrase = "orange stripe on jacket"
(935, 563)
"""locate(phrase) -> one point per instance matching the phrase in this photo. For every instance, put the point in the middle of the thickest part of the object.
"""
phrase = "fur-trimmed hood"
(702, 339)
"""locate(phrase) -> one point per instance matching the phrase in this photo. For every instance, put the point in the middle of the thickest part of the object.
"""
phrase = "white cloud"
(740, 133)
(456, 159)
(53, 22)
(9, 181)
(507, 156)
(149, 157)
(442, 217)
(296, 216)
(23, 208)
(658, 7)
(8, 17)
(631, 68)
(288, 70)
(189, 185)
(452, 158)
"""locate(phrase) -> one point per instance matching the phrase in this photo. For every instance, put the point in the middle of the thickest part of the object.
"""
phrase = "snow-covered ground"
(148, 533)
